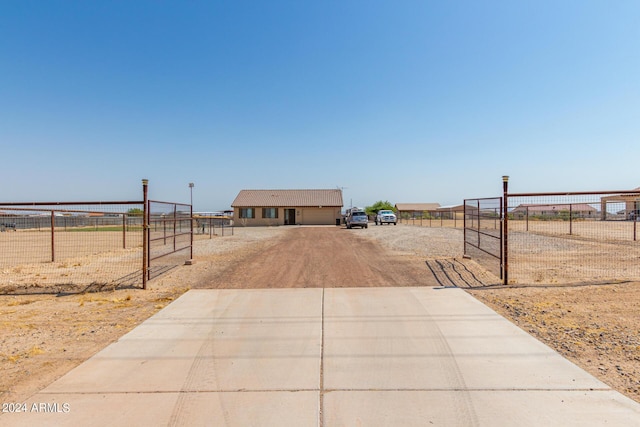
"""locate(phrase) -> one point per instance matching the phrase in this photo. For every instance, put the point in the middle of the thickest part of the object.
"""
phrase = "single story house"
(287, 207)
(415, 210)
(578, 210)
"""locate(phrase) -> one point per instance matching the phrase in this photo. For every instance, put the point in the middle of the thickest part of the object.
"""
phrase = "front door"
(289, 217)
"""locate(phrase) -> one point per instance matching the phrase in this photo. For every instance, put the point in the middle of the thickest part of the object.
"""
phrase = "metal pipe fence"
(62, 243)
(209, 226)
(556, 238)
(573, 237)
(433, 218)
(51, 247)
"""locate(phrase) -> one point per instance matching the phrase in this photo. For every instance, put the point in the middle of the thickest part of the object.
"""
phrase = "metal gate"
(48, 246)
(169, 236)
(551, 238)
(483, 233)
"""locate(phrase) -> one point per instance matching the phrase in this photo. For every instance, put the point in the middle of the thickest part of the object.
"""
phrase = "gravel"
(423, 241)
(242, 237)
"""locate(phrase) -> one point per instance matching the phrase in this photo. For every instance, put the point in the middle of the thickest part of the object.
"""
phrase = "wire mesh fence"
(205, 226)
(85, 244)
(573, 237)
(451, 218)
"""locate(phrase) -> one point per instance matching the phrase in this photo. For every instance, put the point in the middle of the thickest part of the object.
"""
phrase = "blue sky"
(406, 101)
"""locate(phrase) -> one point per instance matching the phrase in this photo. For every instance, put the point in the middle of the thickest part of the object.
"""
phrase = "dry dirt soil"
(43, 336)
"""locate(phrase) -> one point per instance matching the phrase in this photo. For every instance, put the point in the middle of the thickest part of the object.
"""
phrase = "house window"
(247, 213)
(269, 212)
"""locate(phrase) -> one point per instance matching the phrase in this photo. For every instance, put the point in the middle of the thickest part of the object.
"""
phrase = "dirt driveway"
(315, 257)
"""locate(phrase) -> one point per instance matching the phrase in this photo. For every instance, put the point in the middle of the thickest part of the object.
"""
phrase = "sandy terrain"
(43, 335)
(559, 252)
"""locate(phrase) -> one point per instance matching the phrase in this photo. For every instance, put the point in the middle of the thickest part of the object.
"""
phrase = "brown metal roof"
(416, 207)
(288, 198)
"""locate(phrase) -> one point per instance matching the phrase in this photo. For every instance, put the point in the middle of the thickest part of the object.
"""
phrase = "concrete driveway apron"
(327, 357)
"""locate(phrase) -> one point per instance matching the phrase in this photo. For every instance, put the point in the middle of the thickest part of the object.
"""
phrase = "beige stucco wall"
(304, 216)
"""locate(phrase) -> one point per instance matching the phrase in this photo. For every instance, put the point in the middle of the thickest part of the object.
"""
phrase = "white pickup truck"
(386, 217)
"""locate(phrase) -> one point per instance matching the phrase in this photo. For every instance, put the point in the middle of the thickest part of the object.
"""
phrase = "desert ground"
(44, 335)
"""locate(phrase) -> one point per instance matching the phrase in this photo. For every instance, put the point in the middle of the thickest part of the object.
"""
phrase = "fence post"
(505, 224)
(478, 220)
(464, 228)
(145, 233)
(164, 230)
(570, 219)
(53, 226)
(175, 225)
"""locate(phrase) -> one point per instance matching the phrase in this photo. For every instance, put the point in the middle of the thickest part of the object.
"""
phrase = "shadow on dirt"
(129, 281)
(451, 273)
(66, 289)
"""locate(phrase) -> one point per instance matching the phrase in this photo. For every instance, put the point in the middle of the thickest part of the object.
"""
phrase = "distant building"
(415, 210)
(631, 203)
(578, 210)
(451, 212)
(287, 207)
